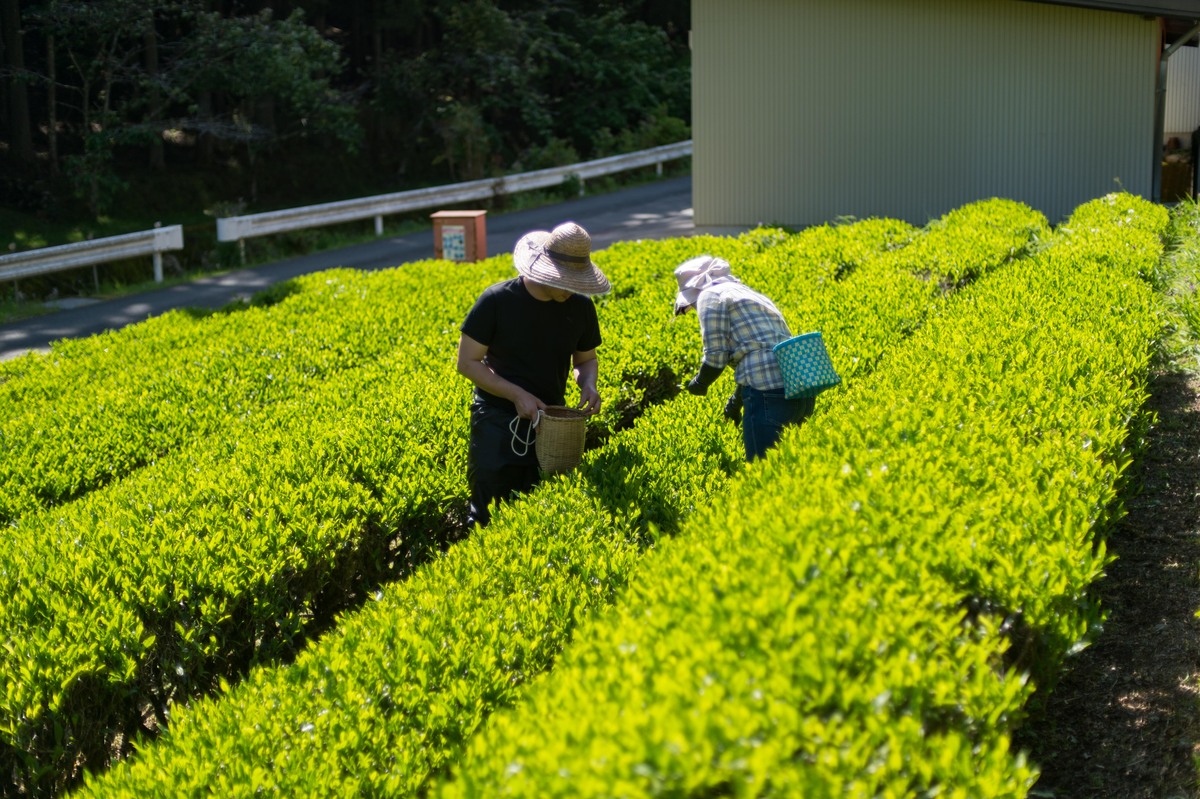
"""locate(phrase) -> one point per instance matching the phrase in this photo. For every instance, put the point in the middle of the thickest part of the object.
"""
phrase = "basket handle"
(526, 442)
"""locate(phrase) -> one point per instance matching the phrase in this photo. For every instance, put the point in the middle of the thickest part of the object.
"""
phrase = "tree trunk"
(20, 130)
(253, 170)
(52, 103)
(204, 103)
(150, 38)
(204, 139)
(4, 84)
(376, 119)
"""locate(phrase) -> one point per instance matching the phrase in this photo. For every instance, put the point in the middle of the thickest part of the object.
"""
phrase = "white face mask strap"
(515, 426)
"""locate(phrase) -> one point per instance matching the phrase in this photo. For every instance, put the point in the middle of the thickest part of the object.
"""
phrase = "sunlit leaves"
(860, 614)
(222, 547)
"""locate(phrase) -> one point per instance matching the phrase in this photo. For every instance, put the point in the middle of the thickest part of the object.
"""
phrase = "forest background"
(117, 114)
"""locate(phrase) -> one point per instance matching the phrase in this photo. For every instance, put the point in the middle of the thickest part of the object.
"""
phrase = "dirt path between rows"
(1124, 722)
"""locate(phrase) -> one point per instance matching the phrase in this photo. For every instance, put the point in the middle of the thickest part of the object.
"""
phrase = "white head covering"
(697, 274)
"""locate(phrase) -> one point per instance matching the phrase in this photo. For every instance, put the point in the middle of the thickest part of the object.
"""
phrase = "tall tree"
(150, 42)
(277, 78)
(52, 98)
(449, 89)
(102, 43)
(521, 82)
(136, 69)
(20, 128)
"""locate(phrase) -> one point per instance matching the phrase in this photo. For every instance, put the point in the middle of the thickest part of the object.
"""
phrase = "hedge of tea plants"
(98, 409)
(1177, 281)
(461, 635)
(860, 615)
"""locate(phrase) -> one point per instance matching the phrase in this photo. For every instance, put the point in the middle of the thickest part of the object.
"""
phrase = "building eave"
(1185, 9)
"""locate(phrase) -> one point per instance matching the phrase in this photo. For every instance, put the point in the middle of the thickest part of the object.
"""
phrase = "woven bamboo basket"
(560, 435)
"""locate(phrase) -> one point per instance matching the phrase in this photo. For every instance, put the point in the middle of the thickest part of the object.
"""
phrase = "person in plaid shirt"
(739, 326)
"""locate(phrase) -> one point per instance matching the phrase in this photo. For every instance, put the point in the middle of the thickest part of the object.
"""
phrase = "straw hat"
(696, 274)
(561, 258)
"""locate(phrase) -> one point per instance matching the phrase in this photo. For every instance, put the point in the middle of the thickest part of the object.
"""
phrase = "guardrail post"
(157, 257)
(378, 225)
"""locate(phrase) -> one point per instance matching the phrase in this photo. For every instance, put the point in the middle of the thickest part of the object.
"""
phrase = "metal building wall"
(809, 110)
(1183, 94)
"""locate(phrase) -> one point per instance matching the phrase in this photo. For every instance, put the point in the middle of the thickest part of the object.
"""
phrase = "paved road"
(662, 209)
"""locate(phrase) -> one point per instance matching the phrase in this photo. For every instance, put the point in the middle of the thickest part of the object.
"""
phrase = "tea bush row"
(220, 554)
(392, 693)
(868, 611)
(95, 410)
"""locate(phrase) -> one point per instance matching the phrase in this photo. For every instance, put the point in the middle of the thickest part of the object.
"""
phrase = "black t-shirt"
(530, 342)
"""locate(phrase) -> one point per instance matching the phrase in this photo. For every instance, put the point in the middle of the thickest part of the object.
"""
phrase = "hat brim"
(533, 262)
(684, 299)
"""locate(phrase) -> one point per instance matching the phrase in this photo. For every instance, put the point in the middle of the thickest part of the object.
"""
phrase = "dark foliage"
(267, 102)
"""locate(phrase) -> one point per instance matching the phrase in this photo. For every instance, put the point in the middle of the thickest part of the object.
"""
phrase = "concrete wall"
(809, 110)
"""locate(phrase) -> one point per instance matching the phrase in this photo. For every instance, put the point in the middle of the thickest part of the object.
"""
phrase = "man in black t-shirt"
(519, 342)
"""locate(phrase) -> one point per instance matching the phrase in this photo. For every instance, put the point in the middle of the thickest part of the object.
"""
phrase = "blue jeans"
(765, 414)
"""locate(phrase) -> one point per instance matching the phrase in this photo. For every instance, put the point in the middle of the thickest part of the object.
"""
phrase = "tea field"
(235, 561)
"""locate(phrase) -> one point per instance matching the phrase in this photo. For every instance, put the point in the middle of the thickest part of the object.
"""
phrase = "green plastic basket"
(806, 366)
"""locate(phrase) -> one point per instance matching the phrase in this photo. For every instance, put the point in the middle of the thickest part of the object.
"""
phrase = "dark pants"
(765, 414)
(495, 469)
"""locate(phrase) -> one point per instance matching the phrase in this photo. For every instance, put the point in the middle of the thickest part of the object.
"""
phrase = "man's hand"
(589, 400)
(587, 367)
(527, 405)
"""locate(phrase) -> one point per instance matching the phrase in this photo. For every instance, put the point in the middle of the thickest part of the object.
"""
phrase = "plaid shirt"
(740, 326)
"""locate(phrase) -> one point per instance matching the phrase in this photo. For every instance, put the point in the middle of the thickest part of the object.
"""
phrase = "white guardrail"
(154, 242)
(237, 228)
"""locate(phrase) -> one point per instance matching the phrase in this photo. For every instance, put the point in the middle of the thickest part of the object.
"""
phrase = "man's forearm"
(484, 378)
(586, 374)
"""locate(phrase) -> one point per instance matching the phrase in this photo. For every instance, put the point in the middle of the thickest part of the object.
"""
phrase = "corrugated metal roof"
(1179, 16)
(1157, 8)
